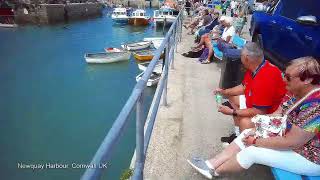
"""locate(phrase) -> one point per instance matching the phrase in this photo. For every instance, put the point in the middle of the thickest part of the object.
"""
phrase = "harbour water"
(55, 108)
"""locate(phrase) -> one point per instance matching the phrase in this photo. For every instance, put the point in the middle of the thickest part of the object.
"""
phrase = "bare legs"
(226, 161)
(203, 40)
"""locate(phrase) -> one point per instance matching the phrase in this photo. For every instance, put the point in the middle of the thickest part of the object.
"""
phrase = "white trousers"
(287, 160)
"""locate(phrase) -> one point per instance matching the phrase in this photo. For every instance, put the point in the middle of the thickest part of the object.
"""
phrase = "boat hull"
(120, 18)
(154, 79)
(138, 21)
(136, 46)
(156, 41)
(157, 68)
(148, 57)
(8, 25)
(110, 57)
(162, 21)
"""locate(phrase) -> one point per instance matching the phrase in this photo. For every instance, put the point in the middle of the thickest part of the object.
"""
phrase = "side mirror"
(311, 20)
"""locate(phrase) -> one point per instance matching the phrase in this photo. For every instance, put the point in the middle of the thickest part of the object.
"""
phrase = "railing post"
(176, 31)
(171, 55)
(138, 173)
(165, 103)
(180, 28)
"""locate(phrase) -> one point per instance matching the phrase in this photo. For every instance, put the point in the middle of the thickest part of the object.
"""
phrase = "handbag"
(275, 125)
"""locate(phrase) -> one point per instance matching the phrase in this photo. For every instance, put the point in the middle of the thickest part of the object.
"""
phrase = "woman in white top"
(226, 37)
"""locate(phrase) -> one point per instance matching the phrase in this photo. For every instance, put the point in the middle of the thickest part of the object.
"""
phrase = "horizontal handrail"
(103, 153)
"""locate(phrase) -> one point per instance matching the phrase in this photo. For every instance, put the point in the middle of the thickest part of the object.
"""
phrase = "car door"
(309, 34)
(271, 29)
(284, 28)
(297, 39)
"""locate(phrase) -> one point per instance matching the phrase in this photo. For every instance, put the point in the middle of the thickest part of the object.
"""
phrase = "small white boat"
(119, 15)
(157, 68)
(153, 80)
(156, 41)
(108, 57)
(136, 46)
(8, 25)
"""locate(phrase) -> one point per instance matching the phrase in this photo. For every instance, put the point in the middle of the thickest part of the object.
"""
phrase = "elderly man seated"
(261, 91)
(298, 151)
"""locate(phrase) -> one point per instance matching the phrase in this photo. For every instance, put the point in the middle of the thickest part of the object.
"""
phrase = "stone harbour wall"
(83, 10)
(54, 13)
(51, 13)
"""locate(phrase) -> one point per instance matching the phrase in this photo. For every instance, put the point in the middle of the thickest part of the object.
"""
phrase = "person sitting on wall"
(215, 32)
(210, 26)
(261, 91)
(298, 151)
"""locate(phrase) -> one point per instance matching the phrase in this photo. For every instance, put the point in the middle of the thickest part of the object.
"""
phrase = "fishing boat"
(146, 55)
(139, 18)
(165, 16)
(157, 68)
(156, 41)
(108, 57)
(136, 46)
(119, 15)
(7, 17)
(153, 80)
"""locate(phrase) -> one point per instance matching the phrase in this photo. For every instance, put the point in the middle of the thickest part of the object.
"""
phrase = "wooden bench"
(280, 174)
(236, 40)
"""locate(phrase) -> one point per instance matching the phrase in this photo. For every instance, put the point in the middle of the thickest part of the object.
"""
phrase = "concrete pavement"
(190, 125)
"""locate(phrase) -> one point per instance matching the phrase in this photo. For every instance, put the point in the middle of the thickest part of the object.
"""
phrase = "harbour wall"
(135, 3)
(54, 13)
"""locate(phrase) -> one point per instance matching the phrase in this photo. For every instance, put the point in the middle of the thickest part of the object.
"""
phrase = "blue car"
(289, 29)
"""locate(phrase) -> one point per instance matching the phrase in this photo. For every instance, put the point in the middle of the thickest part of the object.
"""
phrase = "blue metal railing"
(103, 154)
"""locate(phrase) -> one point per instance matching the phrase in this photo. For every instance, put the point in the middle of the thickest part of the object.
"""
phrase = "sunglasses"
(288, 77)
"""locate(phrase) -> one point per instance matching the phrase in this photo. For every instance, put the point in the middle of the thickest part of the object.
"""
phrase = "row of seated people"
(218, 39)
(265, 90)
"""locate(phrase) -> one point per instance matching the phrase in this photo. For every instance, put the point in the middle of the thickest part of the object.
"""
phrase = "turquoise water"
(54, 107)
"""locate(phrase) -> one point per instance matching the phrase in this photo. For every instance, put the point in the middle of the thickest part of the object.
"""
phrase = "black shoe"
(228, 139)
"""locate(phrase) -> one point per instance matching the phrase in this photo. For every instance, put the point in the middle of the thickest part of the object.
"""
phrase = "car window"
(272, 6)
(295, 8)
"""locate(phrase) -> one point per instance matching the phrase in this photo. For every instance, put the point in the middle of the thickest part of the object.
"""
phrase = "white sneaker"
(201, 166)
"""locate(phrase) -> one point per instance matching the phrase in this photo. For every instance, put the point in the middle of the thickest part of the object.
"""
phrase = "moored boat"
(8, 25)
(156, 41)
(139, 18)
(7, 17)
(153, 80)
(146, 55)
(108, 57)
(136, 46)
(119, 15)
(157, 68)
(165, 16)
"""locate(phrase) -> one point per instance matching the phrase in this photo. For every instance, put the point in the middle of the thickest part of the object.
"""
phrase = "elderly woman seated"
(298, 150)
(226, 37)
